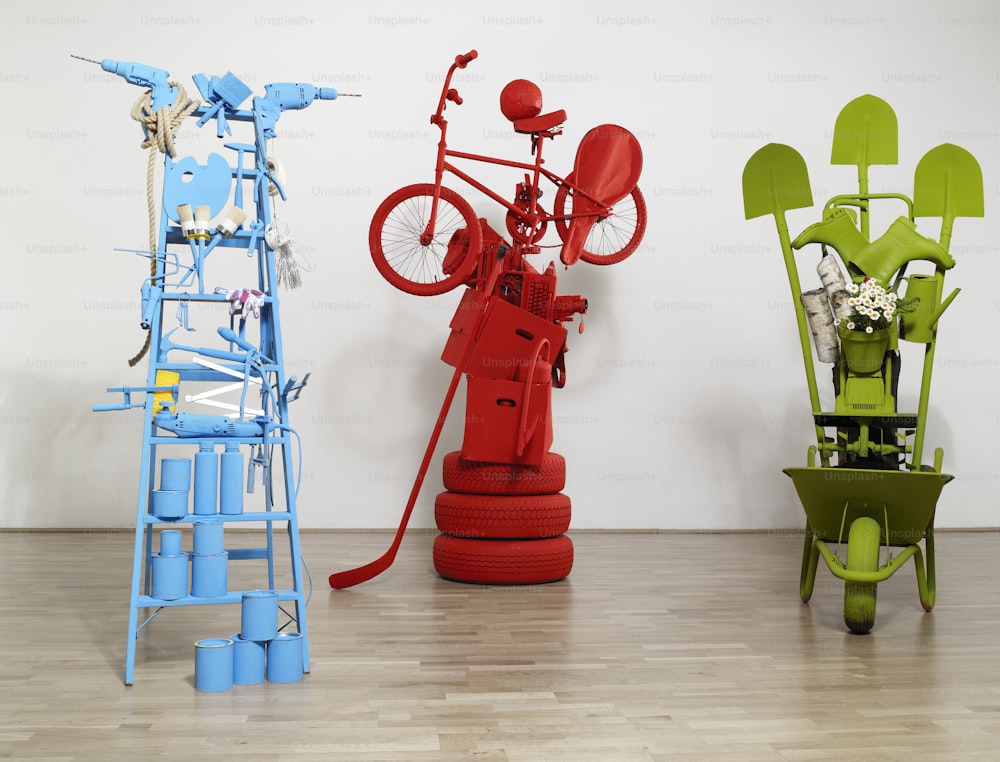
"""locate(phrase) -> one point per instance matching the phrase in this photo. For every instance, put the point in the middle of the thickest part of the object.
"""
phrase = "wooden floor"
(657, 647)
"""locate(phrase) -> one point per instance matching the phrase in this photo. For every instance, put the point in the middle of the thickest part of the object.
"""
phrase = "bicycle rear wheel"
(613, 238)
(450, 257)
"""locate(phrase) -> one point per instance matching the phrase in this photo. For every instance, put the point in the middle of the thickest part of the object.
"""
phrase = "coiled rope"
(160, 127)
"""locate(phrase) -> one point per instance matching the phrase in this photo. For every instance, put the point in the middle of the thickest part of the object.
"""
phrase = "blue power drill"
(164, 94)
(286, 96)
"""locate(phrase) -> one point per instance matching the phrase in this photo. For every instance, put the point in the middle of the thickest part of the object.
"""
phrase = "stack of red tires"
(503, 524)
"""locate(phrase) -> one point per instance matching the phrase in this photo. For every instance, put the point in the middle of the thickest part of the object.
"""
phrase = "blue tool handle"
(150, 301)
(108, 407)
(229, 335)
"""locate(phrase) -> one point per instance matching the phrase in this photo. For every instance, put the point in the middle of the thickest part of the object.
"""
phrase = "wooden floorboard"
(658, 646)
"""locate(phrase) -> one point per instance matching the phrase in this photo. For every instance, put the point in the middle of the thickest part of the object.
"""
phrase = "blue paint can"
(248, 660)
(170, 505)
(175, 474)
(209, 575)
(213, 664)
(170, 542)
(170, 577)
(285, 658)
(208, 535)
(259, 616)
(206, 481)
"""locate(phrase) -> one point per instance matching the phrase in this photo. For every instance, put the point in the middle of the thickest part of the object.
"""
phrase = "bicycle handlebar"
(449, 93)
(462, 61)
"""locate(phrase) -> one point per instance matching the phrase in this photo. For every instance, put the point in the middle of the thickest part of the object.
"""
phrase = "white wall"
(686, 395)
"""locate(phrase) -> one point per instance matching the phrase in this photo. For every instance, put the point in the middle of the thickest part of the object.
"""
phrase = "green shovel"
(775, 180)
(947, 183)
(865, 133)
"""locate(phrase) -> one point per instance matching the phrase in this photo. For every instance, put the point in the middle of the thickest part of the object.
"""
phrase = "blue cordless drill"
(164, 94)
(286, 96)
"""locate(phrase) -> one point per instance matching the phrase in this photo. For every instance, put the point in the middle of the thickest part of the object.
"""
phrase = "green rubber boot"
(900, 244)
(838, 229)
(881, 258)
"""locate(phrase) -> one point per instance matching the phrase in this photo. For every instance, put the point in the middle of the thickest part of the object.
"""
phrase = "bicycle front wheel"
(612, 238)
(447, 260)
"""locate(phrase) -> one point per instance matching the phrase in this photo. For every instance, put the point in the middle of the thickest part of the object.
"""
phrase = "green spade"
(947, 183)
(775, 180)
(865, 133)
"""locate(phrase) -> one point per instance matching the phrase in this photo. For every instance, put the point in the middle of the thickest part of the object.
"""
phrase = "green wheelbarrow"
(882, 516)
(879, 499)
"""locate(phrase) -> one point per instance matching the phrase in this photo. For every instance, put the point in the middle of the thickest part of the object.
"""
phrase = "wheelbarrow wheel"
(862, 556)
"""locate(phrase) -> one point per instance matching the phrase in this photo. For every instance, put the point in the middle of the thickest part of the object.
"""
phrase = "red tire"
(502, 517)
(478, 478)
(503, 562)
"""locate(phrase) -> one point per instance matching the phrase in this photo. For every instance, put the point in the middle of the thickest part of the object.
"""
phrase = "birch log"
(836, 287)
(821, 324)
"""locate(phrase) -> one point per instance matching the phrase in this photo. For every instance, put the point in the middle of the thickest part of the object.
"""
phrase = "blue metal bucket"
(175, 474)
(208, 534)
(259, 616)
(213, 664)
(170, 577)
(209, 575)
(248, 660)
(170, 505)
(285, 658)
(170, 542)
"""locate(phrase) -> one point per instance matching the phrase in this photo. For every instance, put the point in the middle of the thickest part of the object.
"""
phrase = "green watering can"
(919, 324)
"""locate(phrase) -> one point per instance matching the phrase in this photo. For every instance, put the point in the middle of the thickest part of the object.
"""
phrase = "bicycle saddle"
(540, 123)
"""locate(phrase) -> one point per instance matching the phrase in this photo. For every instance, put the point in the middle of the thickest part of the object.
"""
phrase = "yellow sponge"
(165, 378)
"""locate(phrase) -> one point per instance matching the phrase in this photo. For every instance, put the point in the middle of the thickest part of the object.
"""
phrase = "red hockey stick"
(352, 577)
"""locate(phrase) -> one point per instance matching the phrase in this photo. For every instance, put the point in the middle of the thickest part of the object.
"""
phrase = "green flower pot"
(864, 352)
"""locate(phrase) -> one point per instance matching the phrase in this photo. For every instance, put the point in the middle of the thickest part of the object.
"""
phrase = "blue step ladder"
(219, 211)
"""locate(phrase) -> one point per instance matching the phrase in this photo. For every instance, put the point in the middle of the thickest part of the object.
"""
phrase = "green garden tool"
(864, 134)
(947, 183)
(775, 179)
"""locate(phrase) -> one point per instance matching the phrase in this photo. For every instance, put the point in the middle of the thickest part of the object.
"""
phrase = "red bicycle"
(425, 238)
